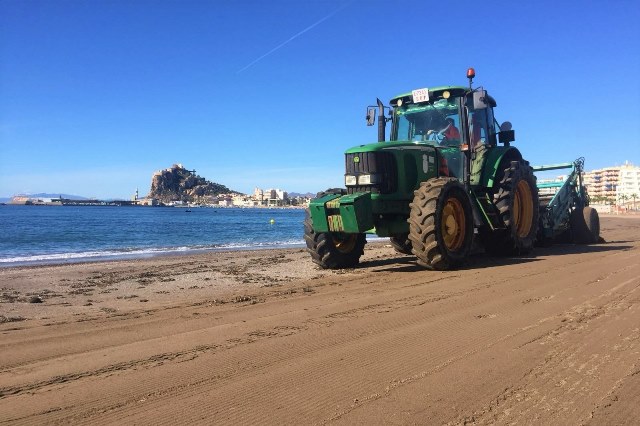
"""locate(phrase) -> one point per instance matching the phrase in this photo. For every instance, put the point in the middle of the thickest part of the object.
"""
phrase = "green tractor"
(447, 177)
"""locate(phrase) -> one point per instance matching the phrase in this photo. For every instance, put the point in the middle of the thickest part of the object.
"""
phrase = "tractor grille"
(380, 163)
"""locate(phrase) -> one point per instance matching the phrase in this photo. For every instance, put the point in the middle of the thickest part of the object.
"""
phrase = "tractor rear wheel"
(440, 223)
(333, 250)
(584, 225)
(401, 243)
(518, 206)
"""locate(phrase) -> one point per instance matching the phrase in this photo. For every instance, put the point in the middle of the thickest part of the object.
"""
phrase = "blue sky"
(97, 95)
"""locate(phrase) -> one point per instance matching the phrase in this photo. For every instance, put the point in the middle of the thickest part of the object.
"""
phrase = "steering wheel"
(436, 136)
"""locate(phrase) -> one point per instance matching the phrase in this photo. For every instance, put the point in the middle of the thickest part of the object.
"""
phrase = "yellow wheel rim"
(523, 209)
(344, 243)
(452, 225)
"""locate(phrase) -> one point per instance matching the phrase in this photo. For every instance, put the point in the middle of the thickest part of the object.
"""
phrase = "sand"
(266, 337)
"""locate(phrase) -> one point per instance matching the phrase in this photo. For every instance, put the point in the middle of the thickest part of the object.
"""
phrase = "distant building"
(277, 197)
(618, 185)
(549, 192)
(242, 200)
(225, 202)
(270, 197)
(258, 195)
(147, 202)
(602, 184)
(28, 200)
(19, 199)
(628, 183)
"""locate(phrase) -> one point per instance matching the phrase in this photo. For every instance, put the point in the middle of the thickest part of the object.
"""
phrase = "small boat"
(188, 210)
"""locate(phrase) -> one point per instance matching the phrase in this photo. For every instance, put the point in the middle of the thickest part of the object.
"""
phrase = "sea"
(31, 235)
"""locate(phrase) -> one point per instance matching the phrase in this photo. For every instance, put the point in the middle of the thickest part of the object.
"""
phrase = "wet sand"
(267, 337)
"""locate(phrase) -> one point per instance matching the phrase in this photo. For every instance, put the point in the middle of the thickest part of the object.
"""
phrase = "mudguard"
(486, 163)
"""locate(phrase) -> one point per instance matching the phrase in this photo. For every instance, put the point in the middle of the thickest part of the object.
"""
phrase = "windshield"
(438, 122)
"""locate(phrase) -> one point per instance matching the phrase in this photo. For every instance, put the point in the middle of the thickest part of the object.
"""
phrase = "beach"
(266, 337)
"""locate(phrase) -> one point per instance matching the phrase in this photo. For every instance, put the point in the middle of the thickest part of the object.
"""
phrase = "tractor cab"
(435, 119)
(447, 116)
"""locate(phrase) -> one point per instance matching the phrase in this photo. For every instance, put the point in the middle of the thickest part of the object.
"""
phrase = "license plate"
(420, 95)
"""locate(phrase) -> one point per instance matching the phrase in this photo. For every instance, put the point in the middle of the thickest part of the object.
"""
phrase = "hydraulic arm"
(558, 199)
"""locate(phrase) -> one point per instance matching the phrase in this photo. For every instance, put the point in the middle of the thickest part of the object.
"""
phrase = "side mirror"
(506, 136)
(371, 116)
(479, 99)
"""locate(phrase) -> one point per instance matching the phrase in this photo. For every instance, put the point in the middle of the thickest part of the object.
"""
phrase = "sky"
(96, 95)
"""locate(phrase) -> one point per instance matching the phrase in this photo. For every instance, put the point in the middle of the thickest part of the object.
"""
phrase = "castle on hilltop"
(177, 186)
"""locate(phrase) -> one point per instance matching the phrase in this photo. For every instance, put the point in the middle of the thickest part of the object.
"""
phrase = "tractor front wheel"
(440, 223)
(333, 250)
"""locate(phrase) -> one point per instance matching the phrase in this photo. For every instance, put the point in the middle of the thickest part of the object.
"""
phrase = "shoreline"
(96, 288)
(112, 255)
(56, 259)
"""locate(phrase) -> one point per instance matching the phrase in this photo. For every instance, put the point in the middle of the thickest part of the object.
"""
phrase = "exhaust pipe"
(382, 122)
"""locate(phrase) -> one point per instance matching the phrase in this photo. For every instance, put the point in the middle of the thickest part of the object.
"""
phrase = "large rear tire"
(584, 225)
(518, 206)
(333, 250)
(401, 243)
(440, 223)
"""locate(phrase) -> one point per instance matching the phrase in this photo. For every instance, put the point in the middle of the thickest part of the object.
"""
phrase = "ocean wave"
(133, 253)
(86, 255)
(138, 253)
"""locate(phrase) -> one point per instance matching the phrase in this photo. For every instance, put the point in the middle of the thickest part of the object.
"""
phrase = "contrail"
(293, 37)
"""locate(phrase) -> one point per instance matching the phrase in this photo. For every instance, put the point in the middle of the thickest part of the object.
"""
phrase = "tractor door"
(481, 137)
(478, 126)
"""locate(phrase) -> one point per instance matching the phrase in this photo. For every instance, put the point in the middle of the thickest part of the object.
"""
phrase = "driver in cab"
(449, 132)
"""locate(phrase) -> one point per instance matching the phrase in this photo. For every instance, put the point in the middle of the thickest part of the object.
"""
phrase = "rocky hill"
(179, 184)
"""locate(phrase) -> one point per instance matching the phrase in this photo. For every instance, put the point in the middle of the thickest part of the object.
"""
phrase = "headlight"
(350, 180)
(368, 179)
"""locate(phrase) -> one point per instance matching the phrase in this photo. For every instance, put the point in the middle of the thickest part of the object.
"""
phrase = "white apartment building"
(602, 184)
(628, 190)
(617, 185)
(270, 197)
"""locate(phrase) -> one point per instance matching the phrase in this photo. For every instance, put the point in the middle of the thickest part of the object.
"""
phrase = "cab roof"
(436, 93)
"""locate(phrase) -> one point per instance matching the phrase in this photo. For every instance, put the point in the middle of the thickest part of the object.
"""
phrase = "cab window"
(437, 122)
(478, 127)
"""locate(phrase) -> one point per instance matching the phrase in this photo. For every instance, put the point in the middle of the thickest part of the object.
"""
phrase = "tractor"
(447, 178)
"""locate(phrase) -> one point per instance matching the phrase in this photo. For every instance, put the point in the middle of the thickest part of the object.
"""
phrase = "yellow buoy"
(272, 221)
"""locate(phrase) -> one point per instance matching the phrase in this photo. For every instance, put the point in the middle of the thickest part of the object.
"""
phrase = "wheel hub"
(344, 243)
(523, 209)
(453, 224)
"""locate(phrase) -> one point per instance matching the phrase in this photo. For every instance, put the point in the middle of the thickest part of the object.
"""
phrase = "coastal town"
(614, 189)
(259, 198)
(177, 186)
